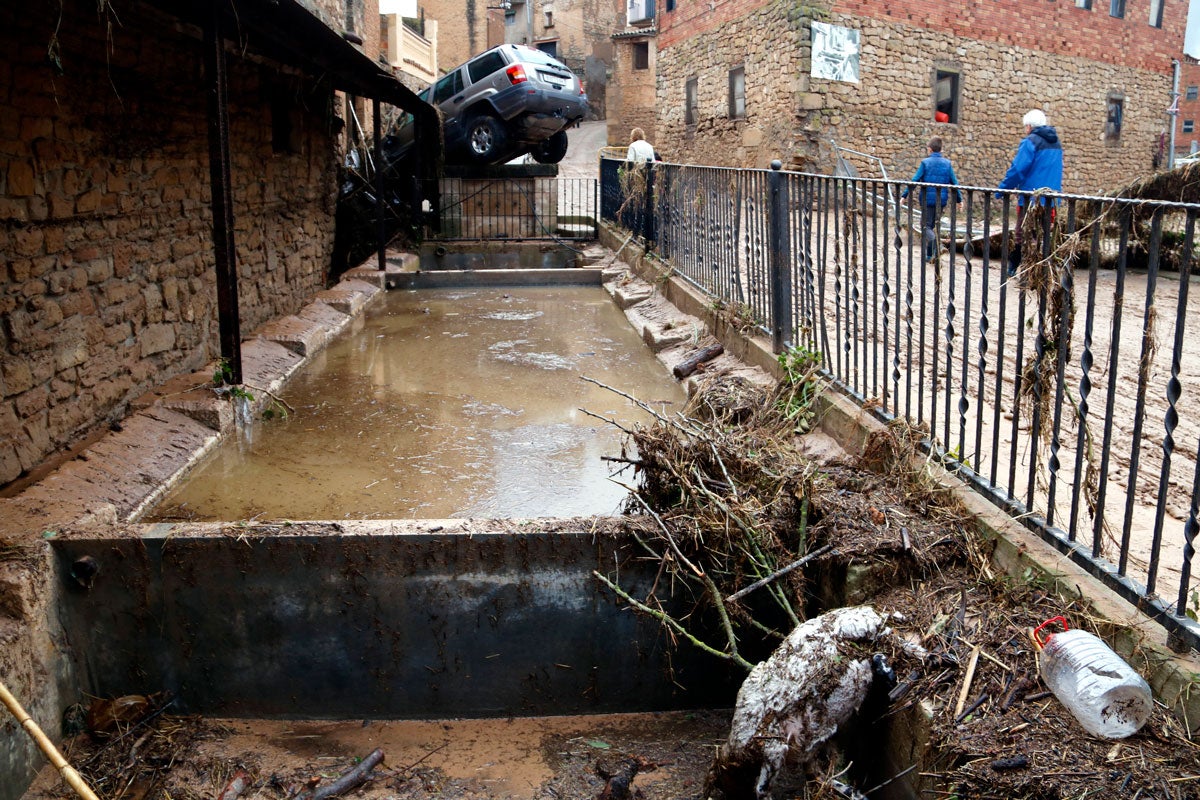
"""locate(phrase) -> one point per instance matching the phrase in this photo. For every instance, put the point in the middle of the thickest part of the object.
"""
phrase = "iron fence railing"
(1058, 391)
(519, 207)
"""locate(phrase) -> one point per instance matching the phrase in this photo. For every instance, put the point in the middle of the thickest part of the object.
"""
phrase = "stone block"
(21, 181)
(156, 339)
(631, 295)
(658, 338)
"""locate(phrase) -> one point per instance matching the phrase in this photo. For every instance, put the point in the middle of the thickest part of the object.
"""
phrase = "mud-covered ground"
(995, 732)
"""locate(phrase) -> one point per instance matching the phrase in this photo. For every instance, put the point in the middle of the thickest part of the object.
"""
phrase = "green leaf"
(599, 745)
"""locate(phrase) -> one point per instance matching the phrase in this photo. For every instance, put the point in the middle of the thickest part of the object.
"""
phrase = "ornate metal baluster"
(1139, 416)
(1118, 308)
(1066, 290)
(1174, 388)
(964, 380)
(982, 347)
(951, 310)
(1190, 528)
(1085, 384)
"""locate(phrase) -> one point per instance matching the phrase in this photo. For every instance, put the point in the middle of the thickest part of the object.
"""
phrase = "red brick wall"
(1053, 26)
(1189, 75)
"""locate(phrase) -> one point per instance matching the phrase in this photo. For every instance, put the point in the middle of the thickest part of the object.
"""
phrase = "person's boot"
(1014, 260)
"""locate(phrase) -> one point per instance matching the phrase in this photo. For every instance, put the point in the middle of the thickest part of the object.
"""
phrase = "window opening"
(1084, 4)
(945, 96)
(641, 55)
(1112, 125)
(689, 102)
(737, 93)
(1193, 92)
(1156, 13)
(1116, 8)
(1189, 125)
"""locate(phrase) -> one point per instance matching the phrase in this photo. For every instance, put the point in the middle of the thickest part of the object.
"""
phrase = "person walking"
(640, 151)
(1038, 164)
(935, 169)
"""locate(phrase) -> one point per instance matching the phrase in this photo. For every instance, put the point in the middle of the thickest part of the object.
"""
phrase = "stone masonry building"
(106, 222)
(736, 83)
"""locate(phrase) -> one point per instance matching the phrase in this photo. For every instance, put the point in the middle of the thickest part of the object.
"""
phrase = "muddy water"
(445, 403)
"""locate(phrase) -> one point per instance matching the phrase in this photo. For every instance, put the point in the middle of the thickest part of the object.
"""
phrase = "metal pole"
(222, 196)
(379, 204)
(781, 283)
(1173, 112)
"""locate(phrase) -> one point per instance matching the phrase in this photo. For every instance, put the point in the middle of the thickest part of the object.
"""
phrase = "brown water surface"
(445, 403)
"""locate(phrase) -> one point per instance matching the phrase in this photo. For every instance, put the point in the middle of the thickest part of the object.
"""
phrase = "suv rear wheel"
(485, 137)
(551, 151)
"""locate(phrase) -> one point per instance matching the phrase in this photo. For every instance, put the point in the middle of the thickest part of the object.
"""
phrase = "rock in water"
(792, 702)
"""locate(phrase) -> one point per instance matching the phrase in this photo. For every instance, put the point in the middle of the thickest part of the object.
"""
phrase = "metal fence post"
(780, 274)
(649, 229)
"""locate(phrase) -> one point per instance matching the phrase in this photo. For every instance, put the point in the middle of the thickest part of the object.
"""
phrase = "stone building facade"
(631, 92)
(465, 28)
(108, 284)
(1104, 82)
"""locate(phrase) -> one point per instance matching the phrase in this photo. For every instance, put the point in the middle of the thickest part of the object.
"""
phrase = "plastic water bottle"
(1103, 692)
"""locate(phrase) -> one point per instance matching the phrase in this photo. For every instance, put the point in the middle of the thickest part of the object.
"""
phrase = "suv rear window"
(539, 57)
(484, 66)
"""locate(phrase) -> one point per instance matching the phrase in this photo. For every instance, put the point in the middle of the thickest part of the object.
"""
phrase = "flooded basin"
(464, 402)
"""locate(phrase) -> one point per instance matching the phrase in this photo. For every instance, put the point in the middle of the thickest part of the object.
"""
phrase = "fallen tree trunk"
(691, 363)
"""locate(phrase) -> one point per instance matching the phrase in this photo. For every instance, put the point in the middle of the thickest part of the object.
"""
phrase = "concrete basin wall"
(345, 620)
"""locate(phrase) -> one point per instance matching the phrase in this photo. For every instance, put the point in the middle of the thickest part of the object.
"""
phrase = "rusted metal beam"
(217, 93)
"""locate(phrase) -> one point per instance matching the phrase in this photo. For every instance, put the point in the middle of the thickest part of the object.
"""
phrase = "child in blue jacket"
(935, 169)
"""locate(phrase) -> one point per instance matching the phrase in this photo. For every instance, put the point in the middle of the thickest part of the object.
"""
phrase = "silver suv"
(503, 103)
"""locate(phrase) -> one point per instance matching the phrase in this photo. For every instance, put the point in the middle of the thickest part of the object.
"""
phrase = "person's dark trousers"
(930, 215)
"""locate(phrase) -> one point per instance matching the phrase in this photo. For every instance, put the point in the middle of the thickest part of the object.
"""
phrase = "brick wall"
(794, 117)
(1189, 110)
(105, 229)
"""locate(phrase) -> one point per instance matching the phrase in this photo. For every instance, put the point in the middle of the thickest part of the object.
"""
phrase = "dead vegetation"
(763, 538)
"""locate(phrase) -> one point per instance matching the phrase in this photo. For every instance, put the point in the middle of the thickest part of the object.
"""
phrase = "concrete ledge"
(193, 396)
(268, 365)
(302, 336)
(128, 469)
(443, 279)
(753, 350)
(345, 300)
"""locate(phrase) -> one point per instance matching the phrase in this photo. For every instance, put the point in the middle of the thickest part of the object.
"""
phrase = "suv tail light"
(516, 74)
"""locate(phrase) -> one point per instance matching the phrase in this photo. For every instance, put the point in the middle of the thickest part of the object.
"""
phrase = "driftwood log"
(691, 363)
(349, 779)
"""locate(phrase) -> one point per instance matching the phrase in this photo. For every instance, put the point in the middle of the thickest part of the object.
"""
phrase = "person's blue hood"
(1046, 133)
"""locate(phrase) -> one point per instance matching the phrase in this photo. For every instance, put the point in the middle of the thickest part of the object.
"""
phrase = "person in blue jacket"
(935, 169)
(1038, 164)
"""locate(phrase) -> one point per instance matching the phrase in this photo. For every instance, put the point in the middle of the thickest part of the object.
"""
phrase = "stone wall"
(462, 29)
(794, 117)
(108, 285)
(631, 101)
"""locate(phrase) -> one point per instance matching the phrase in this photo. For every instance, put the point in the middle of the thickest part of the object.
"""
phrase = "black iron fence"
(1045, 363)
(520, 204)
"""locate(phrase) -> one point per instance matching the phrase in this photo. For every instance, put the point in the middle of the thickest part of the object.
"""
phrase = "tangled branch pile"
(739, 509)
